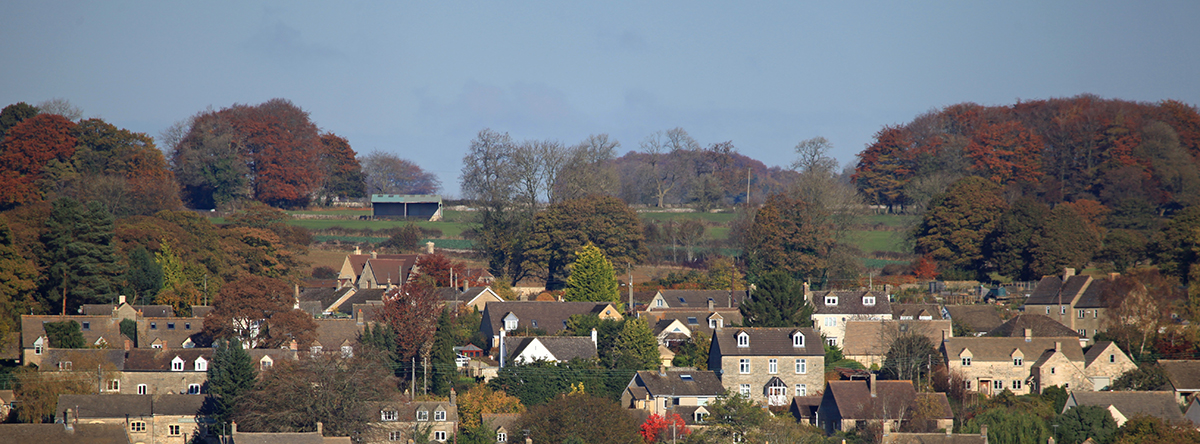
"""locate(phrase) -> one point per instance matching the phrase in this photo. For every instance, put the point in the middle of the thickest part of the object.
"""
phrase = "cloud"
(280, 42)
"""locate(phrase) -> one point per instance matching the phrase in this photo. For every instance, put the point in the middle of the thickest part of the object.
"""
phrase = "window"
(966, 360)
(87, 325)
(510, 324)
(170, 326)
(395, 436)
(830, 322)
(702, 401)
(1083, 332)
(1112, 358)
(830, 300)
(137, 426)
(177, 364)
(439, 415)
(187, 325)
(967, 385)
(1047, 310)
(154, 326)
(743, 339)
(173, 430)
(714, 323)
(193, 389)
(798, 340)
(869, 300)
(501, 437)
(143, 389)
(1052, 370)
(64, 365)
(658, 303)
(439, 436)
(998, 384)
(1018, 361)
(37, 345)
(801, 390)
(801, 366)
(201, 364)
(692, 320)
(773, 366)
(1095, 314)
(114, 385)
(155, 345)
(534, 323)
(744, 390)
(387, 415)
(1082, 313)
(832, 340)
(1016, 385)
(422, 415)
(1062, 309)
(744, 366)
(699, 417)
(265, 363)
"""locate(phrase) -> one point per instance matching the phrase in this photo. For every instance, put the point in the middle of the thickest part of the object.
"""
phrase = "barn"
(407, 206)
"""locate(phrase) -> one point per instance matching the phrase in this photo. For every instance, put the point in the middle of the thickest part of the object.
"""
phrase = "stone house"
(832, 309)
(504, 426)
(401, 419)
(868, 341)
(336, 336)
(1073, 300)
(917, 312)
(314, 437)
(105, 366)
(387, 273)
(527, 349)
(537, 316)
(475, 298)
(695, 299)
(66, 433)
(671, 332)
(663, 392)
(768, 365)
(353, 265)
(1036, 325)
(1105, 362)
(171, 333)
(1025, 365)
(166, 371)
(98, 331)
(155, 419)
(1124, 405)
(980, 319)
(1184, 378)
(702, 319)
(847, 405)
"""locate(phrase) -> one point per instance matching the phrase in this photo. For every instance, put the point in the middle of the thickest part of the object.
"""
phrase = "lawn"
(891, 220)
(449, 229)
(718, 218)
(869, 241)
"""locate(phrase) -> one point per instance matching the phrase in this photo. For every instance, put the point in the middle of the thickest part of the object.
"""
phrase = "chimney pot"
(453, 397)
(374, 255)
(871, 383)
(1028, 334)
(320, 428)
(121, 300)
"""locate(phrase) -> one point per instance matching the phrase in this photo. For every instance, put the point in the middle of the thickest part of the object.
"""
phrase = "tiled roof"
(81, 357)
(406, 411)
(768, 341)
(564, 348)
(1098, 350)
(1184, 375)
(1157, 404)
(730, 316)
(700, 298)
(201, 311)
(1052, 290)
(120, 406)
(933, 438)
(892, 399)
(1001, 349)
(57, 433)
(319, 283)
(240, 437)
(941, 402)
(361, 296)
(688, 413)
(159, 360)
(358, 261)
(900, 311)
(1093, 297)
(680, 383)
(851, 303)
(868, 337)
(395, 271)
(501, 420)
(97, 327)
(331, 334)
(173, 331)
(160, 311)
(549, 316)
(981, 318)
(1041, 325)
(324, 296)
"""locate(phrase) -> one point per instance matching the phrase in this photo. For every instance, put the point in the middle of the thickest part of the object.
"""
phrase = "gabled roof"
(395, 271)
(765, 341)
(1001, 349)
(331, 334)
(501, 421)
(1093, 296)
(549, 315)
(699, 298)
(1157, 404)
(361, 296)
(121, 406)
(1100, 349)
(200, 311)
(106, 327)
(1052, 290)
(851, 303)
(981, 318)
(155, 329)
(688, 413)
(324, 296)
(900, 311)
(892, 399)
(57, 433)
(730, 316)
(82, 357)
(1184, 375)
(358, 261)
(406, 410)
(146, 310)
(874, 337)
(1042, 326)
(159, 360)
(564, 348)
(679, 383)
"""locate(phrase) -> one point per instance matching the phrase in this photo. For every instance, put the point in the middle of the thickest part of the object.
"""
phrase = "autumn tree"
(580, 418)
(785, 237)
(778, 302)
(734, 417)
(565, 227)
(1009, 247)
(481, 399)
(665, 168)
(123, 170)
(13, 114)
(1140, 302)
(588, 169)
(344, 177)
(26, 150)
(884, 168)
(591, 277)
(1006, 152)
(411, 311)
(387, 173)
(18, 281)
(444, 272)
(658, 428)
(79, 257)
(952, 232)
(257, 311)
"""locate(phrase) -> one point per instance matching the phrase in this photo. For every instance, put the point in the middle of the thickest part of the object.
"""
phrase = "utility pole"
(414, 376)
(748, 170)
(425, 367)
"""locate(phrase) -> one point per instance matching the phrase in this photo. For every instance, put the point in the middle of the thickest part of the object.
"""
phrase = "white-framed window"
(801, 390)
(966, 361)
(177, 364)
(798, 340)
(713, 323)
(387, 415)
(698, 417)
(137, 426)
(702, 400)
(1082, 313)
(1047, 310)
(439, 436)
(832, 340)
(439, 415)
(265, 363)
(193, 389)
(201, 364)
(659, 303)
(1062, 309)
(1018, 361)
(501, 437)
(869, 301)
(395, 436)
(773, 366)
(143, 389)
(743, 339)
(801, 366)
(1016, 385)
(114, 385)
(830, 300)
(422, 415)
(744, 389)
(998, 384)
(1083, 332)
(830, 322)
(155, 345)
(1052, 370)
(174, 430)
(64, 366)
(743, 366)
(37, 345)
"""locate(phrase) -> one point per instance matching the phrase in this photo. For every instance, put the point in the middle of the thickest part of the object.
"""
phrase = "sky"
(421, 79)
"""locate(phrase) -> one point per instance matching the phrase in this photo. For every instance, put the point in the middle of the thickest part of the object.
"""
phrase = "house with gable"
(527, 349)
(172, 333)
(848, 405)
(832, 309)
(678, 391)
(1073, 300)
(979, 318)
(103, 365)
(387, 273)
(1105, 362)
(504, 426)
(475, 298)
(336, 336)
(1123, 405)
(868, 341)
(694, 299)
(537, 316)
(1183, 377)
(670, 332)
(353, 265)
(1022, 365)
(154, 419)
(769, 365)
(71, 432)
(917, 312)
(396, 420)
(98, 331)
(165, 371)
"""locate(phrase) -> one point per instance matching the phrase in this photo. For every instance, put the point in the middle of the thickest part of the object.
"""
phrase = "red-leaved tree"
(26, 149)
(412, 312)
(658, 428)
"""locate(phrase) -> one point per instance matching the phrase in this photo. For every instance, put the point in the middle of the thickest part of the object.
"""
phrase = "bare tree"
(535, 167)
(387, 173)
(62, 107)
(664, 149)
(834, 200)
(588, 169)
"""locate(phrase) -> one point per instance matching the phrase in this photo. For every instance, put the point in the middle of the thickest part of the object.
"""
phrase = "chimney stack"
(871, 383)
(121, 300)
(67, 418)
(1057, 346)
(1028, 334)
(1068, 272)
(357, 250)
(594, 342)
(233, 427)
(359, 317)
(983, 432)
(453, 397)
(887, 427)
(711, 305)
(320, 428)
(429, 247)
(374, 254)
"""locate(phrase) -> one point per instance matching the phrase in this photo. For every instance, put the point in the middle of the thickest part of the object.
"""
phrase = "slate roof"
(549, 316)
(240, 437)
(358, 261)
(360, 296)
(916, 311)
(57, 433)
(332, 333)
(1184, 375)
(501, 420)
(1157, 404)
(768, 341)
(1096, 351)
(1001, 348)
(324, 296)
(943, 404)
(867, 337)
(700, 298)
(1093, 297)
(372, 311)
(679, 383)
(406, 411)
(688, 413)
(160, 311)
(319, 283)
(1052, 290)
(120, 406)
(106, 327)
(395, 271)
(564, 348)
(200, 311)
(152, 329)
(980, 318)
(159, 360)
(1042, 326)
(78, 356)
(851, 303)
(730, 316)
(854, 400)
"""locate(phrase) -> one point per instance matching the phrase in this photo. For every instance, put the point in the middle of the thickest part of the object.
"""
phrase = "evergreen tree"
(778, 302)
(18, 280)
(129, 329)
(230, 375)
(144, 277)
(381, 340)
(79, 255)
(442, 356)
(592, 277)
(637, 347)
(66, 334)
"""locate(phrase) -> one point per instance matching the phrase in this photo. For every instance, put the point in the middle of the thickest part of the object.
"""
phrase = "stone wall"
(813, 378)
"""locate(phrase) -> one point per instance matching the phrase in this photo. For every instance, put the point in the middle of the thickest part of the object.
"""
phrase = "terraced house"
(769, 365)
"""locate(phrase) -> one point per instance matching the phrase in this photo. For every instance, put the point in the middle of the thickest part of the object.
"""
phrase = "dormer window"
(869, 301)
(1018, 361)
(38, 344)
(387, 415)
(831, 300)
(797, 339)
(439, 415)
(743, 339)
(201, 364)
(265, 363)
(422, 415)
(177, 364)
(510, 322)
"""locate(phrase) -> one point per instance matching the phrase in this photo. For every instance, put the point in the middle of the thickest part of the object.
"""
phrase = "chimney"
(128, 344)
(320, 428)
(711, 305)
(295, 296)
(429, 247)
(871, 383)
(374, 255)
(1057, 346)
(233, 427)
(528, 440)
(594, 342)
(121, 300)
(887, 428)
(359, 317)
(662, 370)
(1028, 334)
(67, 418)
(357, 250)
(1050, 441)
(1068, 272)
(983, 432)
(453, 397)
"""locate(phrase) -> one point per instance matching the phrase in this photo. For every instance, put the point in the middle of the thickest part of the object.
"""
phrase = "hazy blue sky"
(420, 79)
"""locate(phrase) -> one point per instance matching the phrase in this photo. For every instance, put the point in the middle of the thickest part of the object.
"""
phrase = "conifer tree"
(778, 302)
(637, 348)
(442, 357)
(230, 375)
(145, 276)
(592, 277)
(79, 255)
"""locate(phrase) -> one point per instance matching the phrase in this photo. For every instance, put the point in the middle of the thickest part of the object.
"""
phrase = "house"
(1072, 300)
(265, 358)
(407, 206)
(1023, 365)
(473, 298)
(847, 405)
(831, 310)
(504, 426)
(324, 300)
(1034, 324)
(172, 333)
(547, 317)
(134, 311)
(386, 273)
(104, 366)
(890, 437)
(804, 408)
(1184, 378)
(398, 419)
(98, 331)
(478, 276)
(1104, 363)
(662, 392)
(868, 341)
(154, 419)
(769, 365)
(1124, 405)
(671, 332)
(527, 349)
(64, 433)
(313, 437)
(336, 336)
(979, 319)
(917, 312)
(708, 299)
(345, 304)
(354, 263)
(165, 371)
(702, 319)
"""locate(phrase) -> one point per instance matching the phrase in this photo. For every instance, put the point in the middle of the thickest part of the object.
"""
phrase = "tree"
(911, 356)
(778, 302)
(658, 428)
(26, 150)
(344, 177)
(62, 107)
(481, 399)
(884, 168)
(13, 114)
(122, 169)
(144, 276)
(411, 312)
(257, 311)
(39, 393)
(386, 173)
(65, 334)
(1009, 426)
(663, 149)
(1146, 377)
(445, 370)
(230, 376)
(404, 239)
(79, 256)
(580, 417)
(565, 227)
(636, 347)
(1064, 239)
(588, 169)
(785, 237)
(1009, 246)
(693, 353)
(502, 225)
(591, 277)
(1006, 152)
(209, 164)
(18, 280)
(952, 232)
(1083, 422)
(1176, 249)
(735, 417)
(1140, 303)
(1145, 429)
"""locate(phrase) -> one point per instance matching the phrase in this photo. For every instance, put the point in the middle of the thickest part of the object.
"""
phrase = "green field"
(449, 229)
(890, 220)
(869, 241)
(718, 218)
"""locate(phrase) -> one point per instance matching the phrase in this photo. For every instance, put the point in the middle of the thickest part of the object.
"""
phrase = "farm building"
(408, 206)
